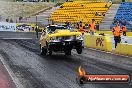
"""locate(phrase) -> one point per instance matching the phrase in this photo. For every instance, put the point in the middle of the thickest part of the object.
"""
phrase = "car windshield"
(53, 28)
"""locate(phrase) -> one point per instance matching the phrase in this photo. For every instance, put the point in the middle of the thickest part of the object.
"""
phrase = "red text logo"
(99, 42)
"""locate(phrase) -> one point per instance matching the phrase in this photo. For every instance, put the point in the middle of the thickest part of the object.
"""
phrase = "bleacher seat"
(80, 11)
(124, 14)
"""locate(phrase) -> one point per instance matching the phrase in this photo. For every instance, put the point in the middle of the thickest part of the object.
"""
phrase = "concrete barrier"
(124, 48)
(98, 42)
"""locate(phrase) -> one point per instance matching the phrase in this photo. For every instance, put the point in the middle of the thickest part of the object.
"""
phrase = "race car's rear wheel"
(79, 50)
(43, 50)
(68, 52)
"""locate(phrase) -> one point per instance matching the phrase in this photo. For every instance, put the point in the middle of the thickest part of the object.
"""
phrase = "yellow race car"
(57, 38)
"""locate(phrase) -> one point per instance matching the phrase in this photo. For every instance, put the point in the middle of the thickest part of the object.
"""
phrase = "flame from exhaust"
(81, 71)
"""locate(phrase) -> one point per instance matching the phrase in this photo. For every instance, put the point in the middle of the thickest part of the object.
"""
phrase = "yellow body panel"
(64, 33)
(57, 33)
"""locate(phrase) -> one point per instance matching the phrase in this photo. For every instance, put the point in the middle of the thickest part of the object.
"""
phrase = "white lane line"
(10, 72)
(110, 53)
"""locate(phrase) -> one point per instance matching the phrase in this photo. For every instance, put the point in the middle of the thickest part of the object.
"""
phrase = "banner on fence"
(25, 27)
(4, 26)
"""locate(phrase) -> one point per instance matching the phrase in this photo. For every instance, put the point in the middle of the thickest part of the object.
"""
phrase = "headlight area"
(66, 38)
(53, 39)
(70, 38)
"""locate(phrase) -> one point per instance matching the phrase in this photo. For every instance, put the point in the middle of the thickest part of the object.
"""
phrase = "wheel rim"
(40, 49)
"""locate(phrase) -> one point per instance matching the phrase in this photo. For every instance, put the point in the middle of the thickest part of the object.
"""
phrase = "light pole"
(36, 20)
(23, 9)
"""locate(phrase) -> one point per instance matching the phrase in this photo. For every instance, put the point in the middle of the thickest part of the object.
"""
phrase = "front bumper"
(62, 46)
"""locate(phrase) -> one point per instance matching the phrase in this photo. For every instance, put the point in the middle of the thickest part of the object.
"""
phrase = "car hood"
(64, 33)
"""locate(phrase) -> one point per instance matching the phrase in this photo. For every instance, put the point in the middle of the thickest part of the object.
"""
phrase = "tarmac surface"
(59, 71)
(5, 79)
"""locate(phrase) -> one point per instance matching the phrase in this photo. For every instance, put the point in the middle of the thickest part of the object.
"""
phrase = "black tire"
(68, 52)
(79, 50)
(43, 50)
(82, 80)
(50, 52)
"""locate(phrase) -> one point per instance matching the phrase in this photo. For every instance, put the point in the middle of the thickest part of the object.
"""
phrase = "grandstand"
(84, 11)
(124, 15)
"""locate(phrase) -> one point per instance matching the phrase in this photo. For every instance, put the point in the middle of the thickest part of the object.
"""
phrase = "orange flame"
(81, 71)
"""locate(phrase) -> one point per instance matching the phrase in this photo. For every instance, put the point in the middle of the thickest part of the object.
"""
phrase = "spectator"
(11, 20)
(68, 24)
(80, 22)
(96, 14)
(7, 20)
(37, 30)
(74, 25)
(116, 32)
(87, 25)
(97, 26)
(81, 28)
(124, 29)
(92, 27)
(99, 14)
(123, 21)
(82, 5)
(106, 6)
(20, 18)
(103, 14)
(77, 25)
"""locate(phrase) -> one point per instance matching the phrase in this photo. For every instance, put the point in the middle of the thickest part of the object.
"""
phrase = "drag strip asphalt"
(59, 71)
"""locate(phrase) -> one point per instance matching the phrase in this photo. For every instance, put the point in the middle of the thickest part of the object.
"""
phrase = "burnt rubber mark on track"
(27, 78)
(109, 66)
(31, 45)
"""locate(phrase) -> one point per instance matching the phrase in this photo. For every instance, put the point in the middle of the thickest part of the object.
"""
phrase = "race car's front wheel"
(43, 50)
(79, 50)
(50, 52)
